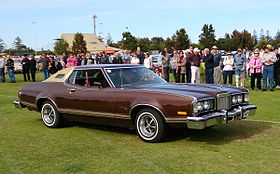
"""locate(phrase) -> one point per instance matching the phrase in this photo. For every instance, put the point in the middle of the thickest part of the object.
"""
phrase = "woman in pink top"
(72, 61)
(255, 64)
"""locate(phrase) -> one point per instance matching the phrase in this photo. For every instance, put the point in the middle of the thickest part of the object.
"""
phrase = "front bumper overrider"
(223, 117)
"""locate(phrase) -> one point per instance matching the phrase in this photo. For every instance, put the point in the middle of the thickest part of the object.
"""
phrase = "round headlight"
(206, 104)
(199, 106)
(246, 98)
(239, 99)
(195, 110)
(234, 99)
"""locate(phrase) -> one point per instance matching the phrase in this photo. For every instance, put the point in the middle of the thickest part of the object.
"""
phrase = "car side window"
(89, 78)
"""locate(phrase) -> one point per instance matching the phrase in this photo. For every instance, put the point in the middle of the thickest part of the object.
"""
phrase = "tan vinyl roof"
(60, 76)
(94, 45)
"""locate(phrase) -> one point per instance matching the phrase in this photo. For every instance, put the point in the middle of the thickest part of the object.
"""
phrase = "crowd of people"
(208, 66)
(187, 66)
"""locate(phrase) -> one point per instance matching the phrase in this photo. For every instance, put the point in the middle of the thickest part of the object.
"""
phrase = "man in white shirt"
(2, 69)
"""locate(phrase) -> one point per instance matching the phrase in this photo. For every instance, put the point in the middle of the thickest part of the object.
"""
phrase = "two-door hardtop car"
(132, 96)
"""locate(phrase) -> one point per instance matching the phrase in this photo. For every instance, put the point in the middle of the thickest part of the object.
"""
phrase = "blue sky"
(38, 22)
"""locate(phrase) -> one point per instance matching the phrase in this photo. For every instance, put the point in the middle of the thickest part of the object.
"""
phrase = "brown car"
(132, 96)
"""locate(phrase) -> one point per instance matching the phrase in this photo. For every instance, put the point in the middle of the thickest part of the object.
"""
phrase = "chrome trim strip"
(145, 104)
(95, 114)
(176, 120)
(29, 104)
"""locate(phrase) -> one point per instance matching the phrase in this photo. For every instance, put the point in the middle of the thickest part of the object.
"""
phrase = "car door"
(88, 93)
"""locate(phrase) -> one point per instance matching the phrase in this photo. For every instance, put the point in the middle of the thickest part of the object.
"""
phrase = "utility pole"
(94, 23)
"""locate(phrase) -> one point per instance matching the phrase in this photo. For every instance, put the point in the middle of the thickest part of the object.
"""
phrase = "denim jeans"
(46, 73)
(2, 74)
(209, 75)
(11, 75)
(268, 72)
(166, 73)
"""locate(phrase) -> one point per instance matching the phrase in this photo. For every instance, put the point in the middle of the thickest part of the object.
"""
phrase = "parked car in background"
(17, 65)
(132, 96)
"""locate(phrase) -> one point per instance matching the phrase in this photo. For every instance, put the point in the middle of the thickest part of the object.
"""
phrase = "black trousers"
(25, 72)
(226, 75)
(257, 76)
(180, 78)
(188, 73)
(33, 72)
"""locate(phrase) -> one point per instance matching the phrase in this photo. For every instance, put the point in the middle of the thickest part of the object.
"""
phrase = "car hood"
(195, 90)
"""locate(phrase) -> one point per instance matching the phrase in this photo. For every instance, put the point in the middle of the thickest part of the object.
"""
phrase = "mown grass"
(27, 146)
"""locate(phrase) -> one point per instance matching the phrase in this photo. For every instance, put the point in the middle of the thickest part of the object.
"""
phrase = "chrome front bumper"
(222, 117)
(18, 104)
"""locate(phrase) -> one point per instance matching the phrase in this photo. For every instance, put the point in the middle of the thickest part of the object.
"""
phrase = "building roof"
(94, 45)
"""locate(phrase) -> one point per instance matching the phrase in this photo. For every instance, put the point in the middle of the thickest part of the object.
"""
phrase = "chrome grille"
(223, 102)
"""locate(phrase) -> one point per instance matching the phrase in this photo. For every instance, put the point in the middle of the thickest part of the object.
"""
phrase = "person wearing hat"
(195, 66)
(217, 65)
(228, 67)
(269, 58)
(255, 65)
(240, 64)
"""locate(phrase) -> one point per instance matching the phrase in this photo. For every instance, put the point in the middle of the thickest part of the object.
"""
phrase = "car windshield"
(126, 77)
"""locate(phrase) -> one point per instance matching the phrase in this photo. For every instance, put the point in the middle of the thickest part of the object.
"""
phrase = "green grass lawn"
(27, 146)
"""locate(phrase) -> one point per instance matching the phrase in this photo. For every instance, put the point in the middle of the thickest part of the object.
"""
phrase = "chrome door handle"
(72, 90)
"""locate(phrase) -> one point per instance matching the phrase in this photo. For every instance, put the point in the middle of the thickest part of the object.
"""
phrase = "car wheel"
(50, 115)
(150, 125)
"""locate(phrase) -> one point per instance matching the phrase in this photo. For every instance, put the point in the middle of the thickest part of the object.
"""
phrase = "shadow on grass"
(222, 134)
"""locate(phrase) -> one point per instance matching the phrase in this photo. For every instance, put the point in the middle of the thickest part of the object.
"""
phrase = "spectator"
(64, 57)
(255, 65)
(104, 59)
(269, 58)
(209, 66)
(32, 66)
(117, 59)
(173, 64)
(52, 66)
(10, 69)
(189, 53)
(83, 59)
(140, 55)
(25, 68)
(60, 64)
(181, 68)
(195, 64)
(2, 69)
(135, 59)
(72, 61)
(165, 64)
(277, 68)
(217, 65)
(240, 64)
(148, 62)
(45, 66)
(228, 68)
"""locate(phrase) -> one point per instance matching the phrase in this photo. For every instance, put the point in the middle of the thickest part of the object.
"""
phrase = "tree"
(18, 45)
(267, 36)
(128, 42)
(169, 44)
(109, 40)
(79, 44)
(61, 47)
(276, 40)
(144, 44)
(262, 36)
(262, 43)
(207, 37)
(181, 39)
(157, 43)
(255, 36)
(2, 45)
